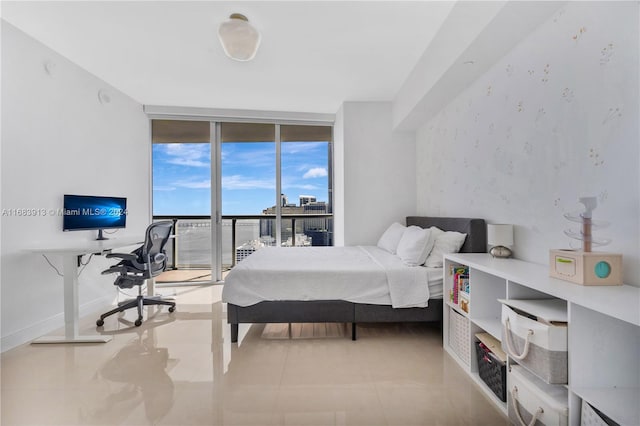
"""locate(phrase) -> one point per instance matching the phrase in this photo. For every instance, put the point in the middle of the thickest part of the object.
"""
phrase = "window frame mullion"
(278, 189)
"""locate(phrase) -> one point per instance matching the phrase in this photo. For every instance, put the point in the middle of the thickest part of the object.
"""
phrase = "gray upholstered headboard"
(476, 230)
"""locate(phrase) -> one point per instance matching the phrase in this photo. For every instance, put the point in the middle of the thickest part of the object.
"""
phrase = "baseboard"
(51, 324)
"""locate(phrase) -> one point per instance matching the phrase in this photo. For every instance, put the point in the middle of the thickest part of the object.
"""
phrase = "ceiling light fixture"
(240, 40)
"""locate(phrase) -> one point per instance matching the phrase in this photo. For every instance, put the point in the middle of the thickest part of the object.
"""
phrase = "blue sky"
(182, 176)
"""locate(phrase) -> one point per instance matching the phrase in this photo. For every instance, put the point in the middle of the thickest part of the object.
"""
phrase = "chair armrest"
(124, 256)
(117, 268)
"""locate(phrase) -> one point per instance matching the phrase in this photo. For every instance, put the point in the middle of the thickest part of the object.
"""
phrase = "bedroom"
(511, 146)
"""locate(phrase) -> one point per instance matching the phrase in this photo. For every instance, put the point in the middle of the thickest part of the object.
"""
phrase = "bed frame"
(292, 311)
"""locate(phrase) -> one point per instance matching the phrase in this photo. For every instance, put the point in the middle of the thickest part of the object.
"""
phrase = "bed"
(255, 292)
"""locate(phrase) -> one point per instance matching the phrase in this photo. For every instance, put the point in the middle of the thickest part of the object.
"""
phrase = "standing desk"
(71, 255)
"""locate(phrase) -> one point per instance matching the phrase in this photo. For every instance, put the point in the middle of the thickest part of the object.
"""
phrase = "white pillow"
(415, 245)
(445, 242)
(391, 237)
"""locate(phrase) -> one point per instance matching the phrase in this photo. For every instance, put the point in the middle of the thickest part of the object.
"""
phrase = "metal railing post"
(174, 245)
(233, 242)
(293, 232)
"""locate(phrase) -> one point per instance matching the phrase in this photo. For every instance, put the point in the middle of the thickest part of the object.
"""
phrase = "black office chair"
(144, 263)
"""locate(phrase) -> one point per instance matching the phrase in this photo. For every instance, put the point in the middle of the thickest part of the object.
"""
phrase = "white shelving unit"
(604, 330)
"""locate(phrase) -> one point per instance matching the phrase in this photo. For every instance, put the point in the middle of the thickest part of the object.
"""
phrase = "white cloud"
(304, 187)
(203, 184)
(188, 162)
(303, 147)
(260, 155)
(190, 155)
(164, 188)
(242, 182)
(315, 172)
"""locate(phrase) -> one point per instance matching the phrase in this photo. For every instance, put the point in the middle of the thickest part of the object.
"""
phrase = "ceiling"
(314, 55)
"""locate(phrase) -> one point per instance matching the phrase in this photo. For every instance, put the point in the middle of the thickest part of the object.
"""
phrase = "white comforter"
(360, 274)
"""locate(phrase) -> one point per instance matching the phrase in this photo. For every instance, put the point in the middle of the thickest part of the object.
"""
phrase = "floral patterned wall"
(553, 120)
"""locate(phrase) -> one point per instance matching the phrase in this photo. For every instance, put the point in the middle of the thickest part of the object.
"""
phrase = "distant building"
(302, 240)
(284, 201)
(315, 229)
(307, 199)
(247, 249)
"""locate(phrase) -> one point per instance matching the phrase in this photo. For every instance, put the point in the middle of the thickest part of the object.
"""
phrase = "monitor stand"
(100, 236)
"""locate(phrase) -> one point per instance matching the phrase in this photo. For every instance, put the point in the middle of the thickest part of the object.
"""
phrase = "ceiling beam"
(472, 39)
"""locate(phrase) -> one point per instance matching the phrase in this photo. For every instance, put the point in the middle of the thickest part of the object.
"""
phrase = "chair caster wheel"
(138, 322)
(100, 323)
(172, 308)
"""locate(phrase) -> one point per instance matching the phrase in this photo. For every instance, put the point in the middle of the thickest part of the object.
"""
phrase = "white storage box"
(534, 333)
(530, 397)
(459, 339)
(589, 416)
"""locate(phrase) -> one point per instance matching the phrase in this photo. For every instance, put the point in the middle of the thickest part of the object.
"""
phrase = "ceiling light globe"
(240, 40)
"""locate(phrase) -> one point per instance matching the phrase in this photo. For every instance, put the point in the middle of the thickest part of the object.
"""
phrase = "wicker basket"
(492, 371)
(459, 339)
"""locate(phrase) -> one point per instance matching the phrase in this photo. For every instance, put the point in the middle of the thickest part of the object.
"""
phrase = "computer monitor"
(89, 212)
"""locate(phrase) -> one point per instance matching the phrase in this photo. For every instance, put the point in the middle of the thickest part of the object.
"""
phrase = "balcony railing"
(191, 246)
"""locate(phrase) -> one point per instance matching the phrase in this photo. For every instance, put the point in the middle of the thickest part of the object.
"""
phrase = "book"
(459, 272)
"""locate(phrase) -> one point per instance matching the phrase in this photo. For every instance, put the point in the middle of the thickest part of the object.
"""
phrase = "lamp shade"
(500, 235)
(240, 40)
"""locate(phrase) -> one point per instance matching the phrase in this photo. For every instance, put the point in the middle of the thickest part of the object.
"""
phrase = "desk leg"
(71, 308)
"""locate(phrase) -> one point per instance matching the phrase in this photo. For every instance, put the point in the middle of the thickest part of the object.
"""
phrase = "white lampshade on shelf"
(240, 40)
(500, 236)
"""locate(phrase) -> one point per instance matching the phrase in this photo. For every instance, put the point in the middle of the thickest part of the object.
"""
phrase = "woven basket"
(492, 371)
(459, 336)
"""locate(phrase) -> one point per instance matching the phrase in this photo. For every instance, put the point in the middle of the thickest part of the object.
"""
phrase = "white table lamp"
(499, 237)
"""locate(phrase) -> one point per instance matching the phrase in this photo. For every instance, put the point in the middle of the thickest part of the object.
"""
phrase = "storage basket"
(459, 339)
(534, 402)
(534, 333)
(492, 371)
(592, 417)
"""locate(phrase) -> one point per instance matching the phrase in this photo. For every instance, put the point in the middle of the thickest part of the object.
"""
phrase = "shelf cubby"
(604, 366)
(486, 289)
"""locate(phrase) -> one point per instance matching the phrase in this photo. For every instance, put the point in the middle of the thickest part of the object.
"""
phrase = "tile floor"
(181, 369)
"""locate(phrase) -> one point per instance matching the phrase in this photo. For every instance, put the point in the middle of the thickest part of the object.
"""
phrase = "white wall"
(376, 169)
(57, 138)
(554, 119)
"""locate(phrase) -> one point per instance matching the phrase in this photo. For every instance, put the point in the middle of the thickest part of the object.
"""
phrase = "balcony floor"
(184, 276)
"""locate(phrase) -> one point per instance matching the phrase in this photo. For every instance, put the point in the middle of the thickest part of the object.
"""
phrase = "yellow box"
(586, 268)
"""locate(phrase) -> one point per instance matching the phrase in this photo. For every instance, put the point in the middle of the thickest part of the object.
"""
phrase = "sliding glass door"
(235, 187)
(248, 187)
(181, 182)
(276, 187)
(305, 178)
